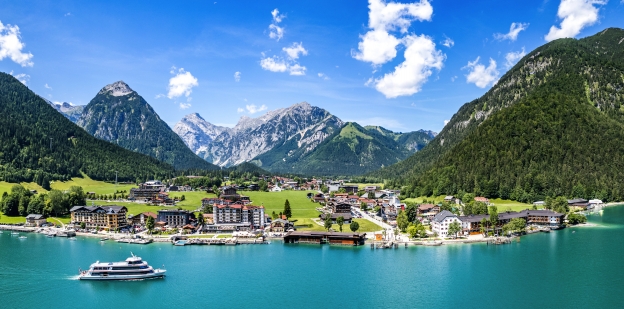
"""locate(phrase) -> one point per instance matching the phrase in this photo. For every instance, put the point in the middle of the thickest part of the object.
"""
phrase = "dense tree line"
(21, 202)
(38, 144)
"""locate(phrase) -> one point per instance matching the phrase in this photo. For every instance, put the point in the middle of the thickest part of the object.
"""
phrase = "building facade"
(110, 217)
(442, 221)
(174, 217)
(242, 216)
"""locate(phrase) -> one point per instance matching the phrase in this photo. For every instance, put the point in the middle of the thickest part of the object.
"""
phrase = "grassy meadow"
(501, 205)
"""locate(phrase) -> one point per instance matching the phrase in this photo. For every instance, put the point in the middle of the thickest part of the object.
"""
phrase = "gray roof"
(473, 218)
(109, 209)
(442, 215)
(35, 217)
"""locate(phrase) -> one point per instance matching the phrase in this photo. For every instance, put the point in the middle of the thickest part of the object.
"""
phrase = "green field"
(90, 185)
(365, 226)
(362, 185)
(6, 186)
(501, 205)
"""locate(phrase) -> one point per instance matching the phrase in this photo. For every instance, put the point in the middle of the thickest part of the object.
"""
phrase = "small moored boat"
(22, 237)
(132, 268)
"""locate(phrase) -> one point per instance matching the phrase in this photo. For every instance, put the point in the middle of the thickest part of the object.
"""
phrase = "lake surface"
(577, 267)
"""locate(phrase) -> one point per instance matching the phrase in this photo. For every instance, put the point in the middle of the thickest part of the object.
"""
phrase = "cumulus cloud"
(408, 77)
(276, 32)
(237, 76)
(296, 69)
(252, 109)
(575, 15)
(513, 57)
(181, 84)
(23, 78)
(446, 122)
(274, 64)
(185, 105)
(379, 46)
(481, 75)
(448, 42)
(294, 50)
(240, 110)
(323, 76)
(11, 46)
(514, 30)
(47, 87)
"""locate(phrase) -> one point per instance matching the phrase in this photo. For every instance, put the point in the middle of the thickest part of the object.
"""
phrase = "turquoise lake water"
(573, 268)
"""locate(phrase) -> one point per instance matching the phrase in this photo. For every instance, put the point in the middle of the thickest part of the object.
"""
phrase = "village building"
(334, 217)
(35, 220)
(110, 217)
(174, 217)
(280, 226)
(152, 184)
(482, 200)
(141, 219)
(332, 238)
(243, 217)
(229, 193)
(341, 208)
(349, 189)
(442, 221)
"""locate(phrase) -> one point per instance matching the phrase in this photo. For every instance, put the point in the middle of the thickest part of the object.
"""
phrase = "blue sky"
(380, 63)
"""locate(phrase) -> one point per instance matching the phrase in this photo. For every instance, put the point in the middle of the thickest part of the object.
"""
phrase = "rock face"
(290, 131)
(120, 115)
(71, 112)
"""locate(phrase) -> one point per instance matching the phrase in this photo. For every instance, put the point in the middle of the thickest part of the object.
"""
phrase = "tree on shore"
(287, 210)
(575, 218)
(402, 221)
(340, 222)
(328, 222)
(149, 224)
(412, 212)
(454, 228)
(354, 226)
(483, 227)
(200, 220)
(493, 217)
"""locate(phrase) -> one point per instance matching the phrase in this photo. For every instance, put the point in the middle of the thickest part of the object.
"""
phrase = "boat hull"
(158, 273)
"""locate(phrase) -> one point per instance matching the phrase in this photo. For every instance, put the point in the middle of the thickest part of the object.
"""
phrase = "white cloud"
(323, 76)
(446, 122)
(294, 50)
(252, 109)
(276, 32)
(480, 75)
(240, 110)
(274, 64)
(513, 57)
(68, 14)
(453, 78)
(448, 42)
(408, 77)
(575, 15)
(11, 46)
(185, 105)
(377, 47)
(392, 15)
(514, 30)
(181, 84)
(47, 87)
(23, 78)
(296, 69)
(237, 76)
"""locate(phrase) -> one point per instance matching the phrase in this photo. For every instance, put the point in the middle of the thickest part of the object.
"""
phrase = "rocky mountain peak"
(117, 89)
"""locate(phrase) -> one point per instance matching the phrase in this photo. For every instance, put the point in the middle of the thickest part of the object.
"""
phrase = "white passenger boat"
(131, 269)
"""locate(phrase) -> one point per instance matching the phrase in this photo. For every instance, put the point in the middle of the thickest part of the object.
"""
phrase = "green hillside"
(552, 125)
(352, 150)
(38, 144)
(125, 118)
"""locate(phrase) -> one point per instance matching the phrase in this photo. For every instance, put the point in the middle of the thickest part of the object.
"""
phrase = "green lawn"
(419, 200)
(301, 206)
(18, 219)
(501, 205)
(191, 199)
(362, 185)
(365, 226)
(6, 186)
(90, 185)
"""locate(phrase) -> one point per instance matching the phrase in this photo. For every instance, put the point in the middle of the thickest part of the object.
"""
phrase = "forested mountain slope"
(39, 144)
(353, 150)
(552, 125)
